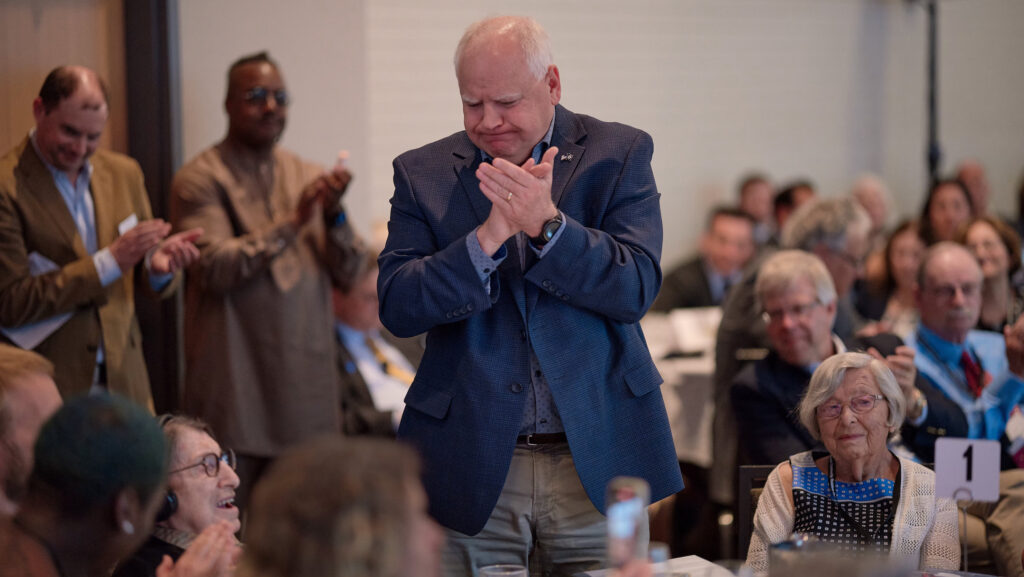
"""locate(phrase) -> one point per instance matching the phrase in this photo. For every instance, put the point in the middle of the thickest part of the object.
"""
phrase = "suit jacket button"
(448, 315)
(546, 284)
(516, 388)
(469, 307)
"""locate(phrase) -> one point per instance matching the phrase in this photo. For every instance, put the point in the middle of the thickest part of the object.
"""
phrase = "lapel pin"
(567, 157)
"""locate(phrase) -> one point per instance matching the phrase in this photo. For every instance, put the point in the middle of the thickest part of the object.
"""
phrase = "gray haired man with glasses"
(982, 374)
(798, 301)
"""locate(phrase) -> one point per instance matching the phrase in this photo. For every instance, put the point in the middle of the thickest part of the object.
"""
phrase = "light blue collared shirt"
(78, 199)
(939, 361)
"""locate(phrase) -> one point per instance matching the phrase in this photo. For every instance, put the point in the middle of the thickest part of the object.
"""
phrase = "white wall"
(826, 89)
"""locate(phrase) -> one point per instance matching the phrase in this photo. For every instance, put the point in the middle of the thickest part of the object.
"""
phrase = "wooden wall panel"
(38, 35)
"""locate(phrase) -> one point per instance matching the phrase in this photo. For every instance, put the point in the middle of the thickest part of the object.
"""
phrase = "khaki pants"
(1003, 523)
(543, 520)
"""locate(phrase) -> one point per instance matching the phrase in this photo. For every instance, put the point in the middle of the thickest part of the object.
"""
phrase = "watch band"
(547, 231)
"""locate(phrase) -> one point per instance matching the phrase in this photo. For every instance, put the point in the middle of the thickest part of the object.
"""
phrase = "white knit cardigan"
(924, 528)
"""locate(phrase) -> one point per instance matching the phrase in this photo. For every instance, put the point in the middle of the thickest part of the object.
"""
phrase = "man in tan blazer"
(75, 223)
(259, 334)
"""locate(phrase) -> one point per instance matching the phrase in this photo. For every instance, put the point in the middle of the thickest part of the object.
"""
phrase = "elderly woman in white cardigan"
(858, 495)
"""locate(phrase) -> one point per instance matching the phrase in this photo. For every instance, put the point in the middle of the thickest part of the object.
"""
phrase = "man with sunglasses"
(982, 374)
(798, 299)
(259, 335)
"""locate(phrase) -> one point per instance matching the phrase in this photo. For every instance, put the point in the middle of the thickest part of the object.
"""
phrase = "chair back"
(752, 479)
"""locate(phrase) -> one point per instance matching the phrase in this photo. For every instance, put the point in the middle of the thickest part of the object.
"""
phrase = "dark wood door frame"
(154, 140)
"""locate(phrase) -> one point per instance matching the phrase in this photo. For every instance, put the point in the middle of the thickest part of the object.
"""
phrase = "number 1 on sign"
(969, 457)
(967, 469)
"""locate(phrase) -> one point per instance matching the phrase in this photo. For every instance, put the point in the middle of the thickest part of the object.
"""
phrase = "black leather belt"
(541, 439)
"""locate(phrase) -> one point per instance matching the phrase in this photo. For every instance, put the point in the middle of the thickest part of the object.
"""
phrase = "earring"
(127, 527)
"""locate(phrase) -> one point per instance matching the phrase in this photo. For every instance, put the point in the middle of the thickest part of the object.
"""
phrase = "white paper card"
(29, 336)
(967, 469)
(696, 328)
(127, 224)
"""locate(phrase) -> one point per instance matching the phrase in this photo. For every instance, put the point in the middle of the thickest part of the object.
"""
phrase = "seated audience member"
(28, 397)
(857, 495)
(756, 195)
(947, 208)
(834, 229)
(889, 296)
(1019, 225)
(873, 196)
(789, 198)
(201, 487)
(374, 366)
(334, 506)
(972, 174)
(981, 372)
(96, 485)
(799, 303)
(997, 247)
(703, 281)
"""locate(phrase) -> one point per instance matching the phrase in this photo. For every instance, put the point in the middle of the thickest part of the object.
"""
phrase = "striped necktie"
(387, 366)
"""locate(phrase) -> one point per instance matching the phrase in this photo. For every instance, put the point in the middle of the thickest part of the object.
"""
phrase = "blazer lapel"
(466, 162)
(103, 205)
(567, 134)
(44, 192)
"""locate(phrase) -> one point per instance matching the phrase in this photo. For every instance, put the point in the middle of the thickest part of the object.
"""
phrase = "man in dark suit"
(798, 300)
(703, 281)
(75, 223)
(528, 248)
(375, 368)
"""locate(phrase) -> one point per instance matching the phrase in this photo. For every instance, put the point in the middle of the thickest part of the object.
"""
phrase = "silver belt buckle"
(529, 440)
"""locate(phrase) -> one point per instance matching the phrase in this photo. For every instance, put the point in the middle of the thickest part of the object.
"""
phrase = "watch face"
(550, 228)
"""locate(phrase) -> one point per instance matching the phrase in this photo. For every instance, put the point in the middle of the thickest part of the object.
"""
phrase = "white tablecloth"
(689, 566)
(688, 392)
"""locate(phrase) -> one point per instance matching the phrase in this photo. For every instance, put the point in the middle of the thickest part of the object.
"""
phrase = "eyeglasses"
(948, 291)
(259, 95)
(859, 405)
(800, 312)
(855, 262)
(211, 463)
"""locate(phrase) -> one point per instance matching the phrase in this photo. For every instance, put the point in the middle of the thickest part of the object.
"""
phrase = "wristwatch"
(547, 232)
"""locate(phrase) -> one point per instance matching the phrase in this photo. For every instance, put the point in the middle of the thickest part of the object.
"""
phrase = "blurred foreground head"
(342, 507)
(98, 479)
(28, 397)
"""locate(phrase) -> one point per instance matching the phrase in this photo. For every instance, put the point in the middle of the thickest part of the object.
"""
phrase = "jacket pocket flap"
(643, 379)
(429, 401)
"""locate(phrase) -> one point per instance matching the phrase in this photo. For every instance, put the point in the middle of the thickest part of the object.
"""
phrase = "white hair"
(829, 377)
(532, 39)
(785, 268)
(828, 221)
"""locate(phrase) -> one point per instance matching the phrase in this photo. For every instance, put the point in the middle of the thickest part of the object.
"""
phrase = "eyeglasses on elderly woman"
(860, 404)
(211, 463)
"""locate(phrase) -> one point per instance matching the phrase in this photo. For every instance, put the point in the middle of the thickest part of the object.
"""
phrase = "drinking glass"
(658, 554)
(503, 571)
